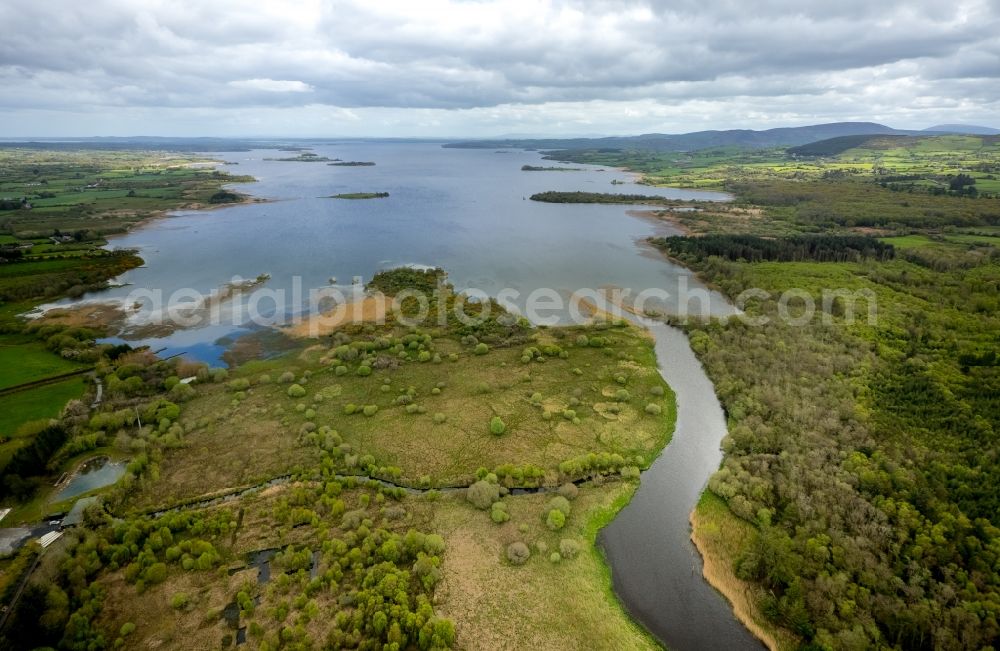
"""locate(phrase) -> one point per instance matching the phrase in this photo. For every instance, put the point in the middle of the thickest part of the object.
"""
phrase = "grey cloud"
(109, 55)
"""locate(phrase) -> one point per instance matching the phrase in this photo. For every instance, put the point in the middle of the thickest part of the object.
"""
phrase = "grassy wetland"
(425, 482)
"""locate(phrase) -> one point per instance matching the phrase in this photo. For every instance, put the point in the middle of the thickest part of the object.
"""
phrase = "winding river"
(467, 211)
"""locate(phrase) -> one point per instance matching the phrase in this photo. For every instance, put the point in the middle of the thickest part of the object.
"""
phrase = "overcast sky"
(490, 67)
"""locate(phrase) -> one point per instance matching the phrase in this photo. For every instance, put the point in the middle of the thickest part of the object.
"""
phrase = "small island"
(537, 168)
(360, 195)
(352, 163)
(597, 197)
(304, 157)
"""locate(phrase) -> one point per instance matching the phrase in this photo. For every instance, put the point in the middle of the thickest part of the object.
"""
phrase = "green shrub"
(127, 629)
(286, 377)
(560, 504)
(370, 410)
(481, 349)
(622, 395)
(239, 384)
(179, 601)
(518, 553)
(424, 356)
(656, 390)
(440, 418)
(654, 409)
(555, 520)
(340, 370)
(555, 557)
(482, 494)
(350, 408)
(155, 573)
(498, 513)
(497, 426)
(364, 371)
(568, 414)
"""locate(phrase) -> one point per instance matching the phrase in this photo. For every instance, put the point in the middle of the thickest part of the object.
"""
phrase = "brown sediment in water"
(104, 315)
(114, 316)
(719, 574)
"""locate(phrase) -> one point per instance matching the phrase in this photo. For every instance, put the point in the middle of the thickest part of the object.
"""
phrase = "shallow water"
(94, 474)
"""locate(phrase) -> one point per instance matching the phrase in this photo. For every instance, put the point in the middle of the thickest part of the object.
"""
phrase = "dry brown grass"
(720, 538)
(539, 605)
(370, 309)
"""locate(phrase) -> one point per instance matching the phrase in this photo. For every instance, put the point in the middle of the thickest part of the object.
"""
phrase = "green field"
(35, 404)
(24, 359)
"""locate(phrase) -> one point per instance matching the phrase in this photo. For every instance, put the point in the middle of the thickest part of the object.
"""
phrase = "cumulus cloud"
(462, 67)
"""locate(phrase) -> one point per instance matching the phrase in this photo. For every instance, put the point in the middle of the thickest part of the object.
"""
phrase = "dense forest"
(865, 455)
(751, 248)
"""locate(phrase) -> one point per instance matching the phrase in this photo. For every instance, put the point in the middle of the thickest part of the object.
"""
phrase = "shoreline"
(724, 581)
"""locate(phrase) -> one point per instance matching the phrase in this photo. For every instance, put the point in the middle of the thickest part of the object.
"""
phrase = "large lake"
(467, 211)
(464, 210)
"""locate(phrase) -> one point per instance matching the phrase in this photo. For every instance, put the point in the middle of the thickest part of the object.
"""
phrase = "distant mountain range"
(780, 137)
(970, 129)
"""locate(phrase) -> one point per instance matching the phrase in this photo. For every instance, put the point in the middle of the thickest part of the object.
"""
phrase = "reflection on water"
(94, 474)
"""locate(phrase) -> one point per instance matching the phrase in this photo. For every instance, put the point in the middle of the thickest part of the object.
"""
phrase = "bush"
(498, 512)
(653, 409)
(569, 548)
(481, 349)
(127, 629)
(440, 418)
(296, 391)
(556, 520)
(179, 601)
(555, 557)
(656, 390)
(518, 553)
(364, 371)
(370, 410)
(622, 395)
(340, 370)
(569, 490)
(155, 573)
(561, 504)
(240, 384)
(497, 426)
(482, 494)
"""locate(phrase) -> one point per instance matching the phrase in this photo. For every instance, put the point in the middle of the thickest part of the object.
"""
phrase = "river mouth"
(467, 211)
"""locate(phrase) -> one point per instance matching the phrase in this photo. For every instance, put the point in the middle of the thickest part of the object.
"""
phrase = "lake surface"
(463, 210)
(94, 474)
(467, 211)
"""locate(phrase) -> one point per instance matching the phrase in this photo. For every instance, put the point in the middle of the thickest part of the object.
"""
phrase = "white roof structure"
(49, 538)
